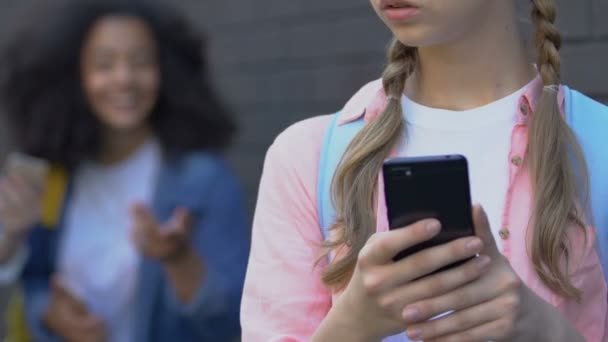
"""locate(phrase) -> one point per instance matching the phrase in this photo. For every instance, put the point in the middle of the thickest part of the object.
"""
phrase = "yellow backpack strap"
(16, 324)
(54, 196)
(52, 205)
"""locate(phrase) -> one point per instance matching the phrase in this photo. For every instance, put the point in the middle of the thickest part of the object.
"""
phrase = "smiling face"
(421, 23)
(120, 72)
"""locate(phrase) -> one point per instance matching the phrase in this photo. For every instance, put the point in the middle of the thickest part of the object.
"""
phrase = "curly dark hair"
(43, 98)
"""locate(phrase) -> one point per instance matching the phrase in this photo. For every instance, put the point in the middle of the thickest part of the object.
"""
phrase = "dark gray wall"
(279, 61)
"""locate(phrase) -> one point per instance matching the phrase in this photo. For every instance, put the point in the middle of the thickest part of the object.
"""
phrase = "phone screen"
(429, 187)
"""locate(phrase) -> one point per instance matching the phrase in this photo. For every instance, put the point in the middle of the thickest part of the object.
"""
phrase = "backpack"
(52, 203)
(590, 125)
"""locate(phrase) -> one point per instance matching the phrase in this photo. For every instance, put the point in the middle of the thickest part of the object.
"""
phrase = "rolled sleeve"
(207, 302)
(221, 238)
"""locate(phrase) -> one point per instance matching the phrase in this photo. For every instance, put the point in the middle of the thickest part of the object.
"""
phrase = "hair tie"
(393, 97)
(552, 87)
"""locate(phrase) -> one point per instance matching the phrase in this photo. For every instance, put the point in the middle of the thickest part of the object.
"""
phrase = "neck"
(119, 145)
(489, 64)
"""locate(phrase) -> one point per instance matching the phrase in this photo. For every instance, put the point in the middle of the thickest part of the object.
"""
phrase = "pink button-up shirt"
(284, 298)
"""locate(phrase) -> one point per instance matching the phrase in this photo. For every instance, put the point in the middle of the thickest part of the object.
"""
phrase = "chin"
(125, 127)
(415, 36)
(125, 124)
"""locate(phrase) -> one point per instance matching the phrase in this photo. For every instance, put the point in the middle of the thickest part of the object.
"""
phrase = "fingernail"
(483, 262)
(414, 333)
(433, 227)
(411, 314)
(474, 245)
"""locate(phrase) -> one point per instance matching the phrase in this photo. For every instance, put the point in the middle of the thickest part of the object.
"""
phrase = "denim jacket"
(204, 184)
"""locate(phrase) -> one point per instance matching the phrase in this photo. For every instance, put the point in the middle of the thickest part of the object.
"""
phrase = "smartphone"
(32, 169)
(421, 188)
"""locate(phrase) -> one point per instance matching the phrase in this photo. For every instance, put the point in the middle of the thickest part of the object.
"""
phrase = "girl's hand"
(495, 307)
(69, 318)
(165, 242)
(170, 244)
(372, 306)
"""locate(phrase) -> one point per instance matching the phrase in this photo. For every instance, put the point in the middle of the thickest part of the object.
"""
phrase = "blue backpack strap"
(589, 121)
(337, 138)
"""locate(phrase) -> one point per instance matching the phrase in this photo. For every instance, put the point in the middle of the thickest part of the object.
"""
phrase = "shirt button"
(524, 109)
(504, 233)
(517, 161)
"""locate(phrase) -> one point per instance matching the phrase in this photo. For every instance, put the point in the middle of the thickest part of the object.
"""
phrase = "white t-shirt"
(482, 135)
(97, 260)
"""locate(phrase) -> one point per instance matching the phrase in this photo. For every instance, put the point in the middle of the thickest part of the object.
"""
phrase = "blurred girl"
(151, 240)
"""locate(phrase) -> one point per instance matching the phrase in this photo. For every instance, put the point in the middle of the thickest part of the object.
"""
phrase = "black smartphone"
(436, 187)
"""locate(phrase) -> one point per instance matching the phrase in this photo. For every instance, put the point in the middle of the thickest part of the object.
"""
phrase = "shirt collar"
(369, 102)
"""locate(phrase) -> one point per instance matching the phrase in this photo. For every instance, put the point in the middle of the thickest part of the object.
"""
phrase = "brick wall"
(279, 61)
(586, 49)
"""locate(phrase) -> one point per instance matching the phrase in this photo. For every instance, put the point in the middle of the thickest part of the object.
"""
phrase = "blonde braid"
(554, 152)
(356, 179)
